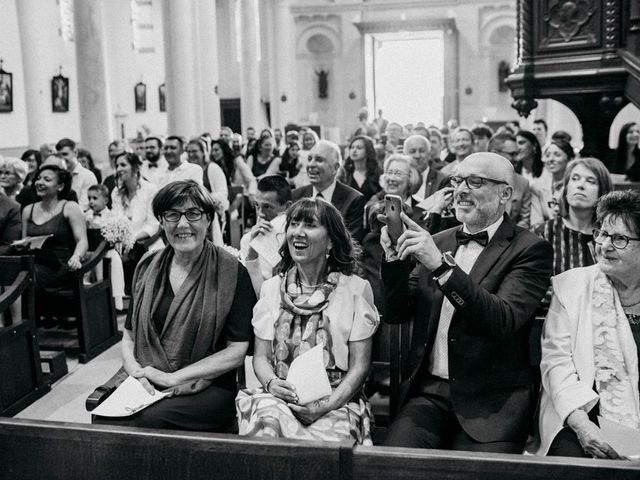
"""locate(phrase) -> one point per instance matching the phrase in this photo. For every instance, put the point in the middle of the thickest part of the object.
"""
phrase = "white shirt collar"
(327, 193)
(491, 229)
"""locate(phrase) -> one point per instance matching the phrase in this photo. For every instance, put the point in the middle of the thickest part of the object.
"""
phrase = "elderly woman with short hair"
(591, 337)
(13, 172)
(189, 322)
(316, 299)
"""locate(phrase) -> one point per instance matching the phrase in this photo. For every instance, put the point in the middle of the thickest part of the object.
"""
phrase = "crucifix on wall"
(323, 83)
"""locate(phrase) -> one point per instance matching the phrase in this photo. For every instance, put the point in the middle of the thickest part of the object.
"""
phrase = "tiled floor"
(65, 401)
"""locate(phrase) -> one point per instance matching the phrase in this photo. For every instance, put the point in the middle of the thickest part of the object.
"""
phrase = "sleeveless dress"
(52, 272)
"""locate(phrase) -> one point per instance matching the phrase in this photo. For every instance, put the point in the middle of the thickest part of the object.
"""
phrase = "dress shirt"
(327, 193)
(184, 171)
(153, 171)
(419, 195)
(81, 180)
(466, 256)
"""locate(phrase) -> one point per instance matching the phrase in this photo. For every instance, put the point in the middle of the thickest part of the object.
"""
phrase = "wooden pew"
(40, 449)
(408, 464)
(21, 380)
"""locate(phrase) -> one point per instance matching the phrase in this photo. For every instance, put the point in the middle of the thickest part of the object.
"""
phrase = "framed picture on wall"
(6, 91)
(162, 98)
(60, 94)
(140, 93)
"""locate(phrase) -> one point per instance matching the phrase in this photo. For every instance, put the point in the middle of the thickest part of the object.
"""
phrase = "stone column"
(285, 72)
(250, 105)
(36, 78)
(93, 91)
(208, 62)
(180, 67)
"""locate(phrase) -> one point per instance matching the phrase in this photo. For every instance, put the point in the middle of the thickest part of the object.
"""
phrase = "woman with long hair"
(361, 167)
(628, 153)
(263, 158)
(33, 158)
(529, 159)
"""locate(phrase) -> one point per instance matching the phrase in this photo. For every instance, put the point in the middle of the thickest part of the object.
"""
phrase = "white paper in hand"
(308, 375)
(130, 397)
(624, 440)
(32, 243)
(267, 244)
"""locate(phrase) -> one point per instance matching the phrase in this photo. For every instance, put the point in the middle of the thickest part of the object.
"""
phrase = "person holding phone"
(473, 292)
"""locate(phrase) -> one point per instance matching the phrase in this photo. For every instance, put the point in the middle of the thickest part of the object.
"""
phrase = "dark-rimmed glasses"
(618, 240)
(174, 216)
(473, 181)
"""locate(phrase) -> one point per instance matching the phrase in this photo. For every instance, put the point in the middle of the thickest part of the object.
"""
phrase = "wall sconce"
(283, 98)
(352, 95)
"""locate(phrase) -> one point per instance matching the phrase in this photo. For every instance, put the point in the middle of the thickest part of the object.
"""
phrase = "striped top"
(571, 249)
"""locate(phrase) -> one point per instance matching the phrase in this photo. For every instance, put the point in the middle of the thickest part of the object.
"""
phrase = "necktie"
(463, 238)
(319, 195)
(152, 165)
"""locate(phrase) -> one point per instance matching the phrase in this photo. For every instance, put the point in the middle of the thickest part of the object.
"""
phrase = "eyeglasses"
(174, 216)
(473, 181)
(618, 240)
(6, 173)
(396, 173)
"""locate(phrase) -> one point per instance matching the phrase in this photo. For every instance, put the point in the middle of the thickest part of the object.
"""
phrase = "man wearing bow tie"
(472, 296)
(155, 165)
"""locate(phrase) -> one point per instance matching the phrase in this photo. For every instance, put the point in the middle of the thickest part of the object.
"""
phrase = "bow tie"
(463, 238)
(152, 165)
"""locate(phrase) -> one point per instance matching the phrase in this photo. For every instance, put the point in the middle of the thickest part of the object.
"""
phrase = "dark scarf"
(196, 316)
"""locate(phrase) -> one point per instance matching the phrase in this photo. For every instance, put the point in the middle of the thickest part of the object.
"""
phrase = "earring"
(327, 253)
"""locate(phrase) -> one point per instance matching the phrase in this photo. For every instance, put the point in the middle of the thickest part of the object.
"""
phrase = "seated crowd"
(493, 230)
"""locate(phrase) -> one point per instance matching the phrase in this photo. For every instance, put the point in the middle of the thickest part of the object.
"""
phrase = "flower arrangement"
(118, 232)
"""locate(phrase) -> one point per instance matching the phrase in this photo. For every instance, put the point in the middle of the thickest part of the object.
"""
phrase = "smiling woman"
(189, 326)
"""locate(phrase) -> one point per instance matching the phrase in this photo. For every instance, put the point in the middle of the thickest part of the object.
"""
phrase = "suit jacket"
(489, 368)
(10, 223)
(350, 202)
(519, 206)
(432, 183)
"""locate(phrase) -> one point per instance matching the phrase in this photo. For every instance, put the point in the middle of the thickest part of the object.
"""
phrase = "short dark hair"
(84, 153)
(158, 140)
(277, 184)
(537, 165)
(178, 192)
(622, 204)
(32, 153)
(65, 142)
(176, 138)
(482, 131)
(541, 122)
(344, 255)
(561, 135)
(101, 189)
(497, 141)
(64, 178)
(565, 146)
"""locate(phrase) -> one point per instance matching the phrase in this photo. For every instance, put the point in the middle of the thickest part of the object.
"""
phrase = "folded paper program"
(129, 398)
(308, 375)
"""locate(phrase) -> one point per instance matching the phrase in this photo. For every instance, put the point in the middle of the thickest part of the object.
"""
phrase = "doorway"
(406, 62)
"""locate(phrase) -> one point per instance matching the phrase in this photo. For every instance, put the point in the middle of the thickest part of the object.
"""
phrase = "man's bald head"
(329, 150)
(418, 148)
(483, 189)
(323, 164)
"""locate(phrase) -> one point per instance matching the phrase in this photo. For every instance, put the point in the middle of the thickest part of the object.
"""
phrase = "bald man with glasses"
(471, 292)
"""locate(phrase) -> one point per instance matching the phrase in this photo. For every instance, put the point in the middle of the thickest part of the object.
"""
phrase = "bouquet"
(118, 232)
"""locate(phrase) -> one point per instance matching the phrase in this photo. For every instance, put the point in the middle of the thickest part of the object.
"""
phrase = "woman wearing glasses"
(189, 322)
(591, 336)
(571, 232)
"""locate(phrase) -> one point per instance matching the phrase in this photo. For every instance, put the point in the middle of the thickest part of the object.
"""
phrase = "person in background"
(461, 144)
(262, 159)
(115, 148)
(571, 232)
(272, 200)
(226, 135)
(96, 217)
(13, 173)
(309, 140)
(290, 160)
(627, 159)
(200, 298)
(361, 167)
(154, 165)
(546, 190)
(82, 178)
(529, 160)
(418, 149)
(591, 340)
(33, 159)
(540, 130)
(132, 199)
(519, 206)
(177, 168)
(481, 136)
(316, 299)
(213, 176)
(86, 160)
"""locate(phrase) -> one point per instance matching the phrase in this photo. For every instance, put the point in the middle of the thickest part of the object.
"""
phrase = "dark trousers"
(211, 410)
(427, 420)
(566, 443)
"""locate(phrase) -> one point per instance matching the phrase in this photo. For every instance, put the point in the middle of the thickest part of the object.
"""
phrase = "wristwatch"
(448, 262)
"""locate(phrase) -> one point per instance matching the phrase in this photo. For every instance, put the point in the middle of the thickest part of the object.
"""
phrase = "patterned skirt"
(261, 414)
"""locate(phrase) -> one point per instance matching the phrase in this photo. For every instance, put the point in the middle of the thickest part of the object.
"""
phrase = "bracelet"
(269, 383)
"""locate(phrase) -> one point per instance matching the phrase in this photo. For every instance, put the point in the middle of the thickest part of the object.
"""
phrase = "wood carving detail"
(567, 16)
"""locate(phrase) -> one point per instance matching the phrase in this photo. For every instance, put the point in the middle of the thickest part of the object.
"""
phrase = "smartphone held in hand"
(393, 208)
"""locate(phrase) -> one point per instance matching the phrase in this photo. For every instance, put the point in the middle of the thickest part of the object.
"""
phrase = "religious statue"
(323, 83)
